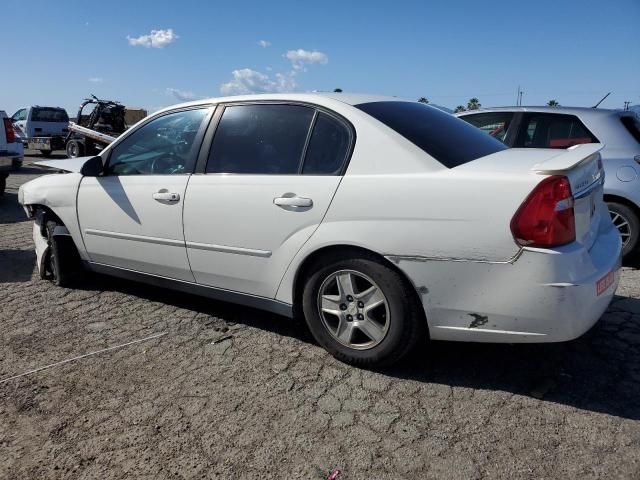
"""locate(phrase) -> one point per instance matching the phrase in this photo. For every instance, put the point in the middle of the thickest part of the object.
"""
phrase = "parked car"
(42, 128)
(382, 222)
(561, 127)
(11, 150)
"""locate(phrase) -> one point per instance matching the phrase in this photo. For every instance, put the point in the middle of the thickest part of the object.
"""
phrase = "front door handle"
(295, 201)
(165, 196)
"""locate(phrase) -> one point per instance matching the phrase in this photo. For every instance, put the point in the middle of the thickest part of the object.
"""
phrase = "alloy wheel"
(353, 309)
(623, 226)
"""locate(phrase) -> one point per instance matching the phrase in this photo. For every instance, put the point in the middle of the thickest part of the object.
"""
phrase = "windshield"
(446, 138)
(46, 114)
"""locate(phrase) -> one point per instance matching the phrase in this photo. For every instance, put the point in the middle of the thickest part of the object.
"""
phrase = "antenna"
(601, 100)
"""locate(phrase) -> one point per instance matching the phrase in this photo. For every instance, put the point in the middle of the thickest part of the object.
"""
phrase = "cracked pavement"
(231, 392)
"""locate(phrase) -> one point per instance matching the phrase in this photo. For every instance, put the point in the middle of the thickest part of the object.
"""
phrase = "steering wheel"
(166, 164)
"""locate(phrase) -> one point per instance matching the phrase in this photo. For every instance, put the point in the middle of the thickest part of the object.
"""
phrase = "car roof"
(579, 111)
(310, 97)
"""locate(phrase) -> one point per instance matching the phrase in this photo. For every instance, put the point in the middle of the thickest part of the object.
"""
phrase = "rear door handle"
(164, 196)
(294, 201)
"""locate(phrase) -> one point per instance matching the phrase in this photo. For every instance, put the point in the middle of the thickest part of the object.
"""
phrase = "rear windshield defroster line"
(446, 138)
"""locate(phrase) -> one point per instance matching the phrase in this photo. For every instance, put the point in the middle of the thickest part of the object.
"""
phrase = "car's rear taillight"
(9, 132)
(546, 217)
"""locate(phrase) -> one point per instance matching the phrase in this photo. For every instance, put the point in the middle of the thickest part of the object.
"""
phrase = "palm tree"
(423, 100)
(553, 103)
(459, 108)
(337, 90)
(474, 104)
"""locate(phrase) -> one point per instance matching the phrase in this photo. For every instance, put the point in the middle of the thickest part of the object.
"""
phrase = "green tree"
(337, 90)
(553, 103)
(423, 100)
(459, 108)
(473, 104)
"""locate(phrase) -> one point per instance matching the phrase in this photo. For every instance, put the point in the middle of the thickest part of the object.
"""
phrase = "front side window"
(166, 145)
(260, 139)
(494, 124)
(328, 147)
(47, 114)
(449, 140)
(551, 130)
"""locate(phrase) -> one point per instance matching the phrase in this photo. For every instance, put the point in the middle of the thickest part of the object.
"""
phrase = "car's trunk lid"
(582, 165)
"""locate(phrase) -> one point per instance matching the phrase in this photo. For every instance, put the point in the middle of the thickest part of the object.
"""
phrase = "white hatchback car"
(383, 222)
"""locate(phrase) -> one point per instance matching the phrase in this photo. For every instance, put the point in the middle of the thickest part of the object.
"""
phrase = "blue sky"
(572, 50)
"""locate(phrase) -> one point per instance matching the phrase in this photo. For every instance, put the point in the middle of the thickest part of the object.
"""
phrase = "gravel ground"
(222, 391)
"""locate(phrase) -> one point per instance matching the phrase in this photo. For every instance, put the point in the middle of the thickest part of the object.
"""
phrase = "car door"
(131, 216)
(270, 175)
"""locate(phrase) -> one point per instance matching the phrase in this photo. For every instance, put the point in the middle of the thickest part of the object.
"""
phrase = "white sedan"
(383, 222)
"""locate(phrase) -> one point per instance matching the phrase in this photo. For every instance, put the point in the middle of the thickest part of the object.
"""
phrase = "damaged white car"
(383, 222)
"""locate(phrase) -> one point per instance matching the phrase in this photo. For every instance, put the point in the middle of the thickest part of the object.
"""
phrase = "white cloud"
(182, 95)
(155, 39)
(96, 79)
(264, 43)
(247, 81)
(299, 58)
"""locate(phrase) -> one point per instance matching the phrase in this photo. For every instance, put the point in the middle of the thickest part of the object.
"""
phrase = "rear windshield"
(41, 114)
(446, 138)
(632, 124)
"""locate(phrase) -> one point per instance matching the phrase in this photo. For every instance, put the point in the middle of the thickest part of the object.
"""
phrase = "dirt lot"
(222, 391)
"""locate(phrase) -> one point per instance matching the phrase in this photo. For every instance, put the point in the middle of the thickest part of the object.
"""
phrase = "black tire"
(626, 221)
(46, 153)
(3, 184)
(406, 322)
(63, 261)
(74, 149)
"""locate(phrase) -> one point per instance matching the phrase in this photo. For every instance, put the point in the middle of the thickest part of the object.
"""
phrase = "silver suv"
(562, 127)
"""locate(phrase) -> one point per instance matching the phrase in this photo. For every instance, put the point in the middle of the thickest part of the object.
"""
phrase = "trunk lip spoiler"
(569, 158)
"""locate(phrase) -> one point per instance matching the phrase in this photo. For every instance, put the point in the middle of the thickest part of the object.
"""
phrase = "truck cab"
(42, 128)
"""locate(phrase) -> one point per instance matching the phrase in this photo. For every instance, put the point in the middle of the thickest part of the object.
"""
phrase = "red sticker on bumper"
(605, 282)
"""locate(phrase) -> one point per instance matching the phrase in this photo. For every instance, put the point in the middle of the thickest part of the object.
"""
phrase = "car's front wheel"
(362, 311)
(62, 264)
(627, 223)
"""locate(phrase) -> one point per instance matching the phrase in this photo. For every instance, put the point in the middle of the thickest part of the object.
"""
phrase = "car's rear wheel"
(627, 223)
(63, 261)
(362, 312)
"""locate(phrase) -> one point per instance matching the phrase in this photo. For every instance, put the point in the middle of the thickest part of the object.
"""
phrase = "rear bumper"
(542, 296)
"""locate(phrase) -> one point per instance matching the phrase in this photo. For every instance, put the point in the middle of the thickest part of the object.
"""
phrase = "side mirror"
(92, 167)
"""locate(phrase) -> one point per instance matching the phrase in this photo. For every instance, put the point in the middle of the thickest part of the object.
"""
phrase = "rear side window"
(328, 147)
(495, 124)
(551, 130)
(260, 139)
(40, 114)
(632, 124)
(446, 138)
